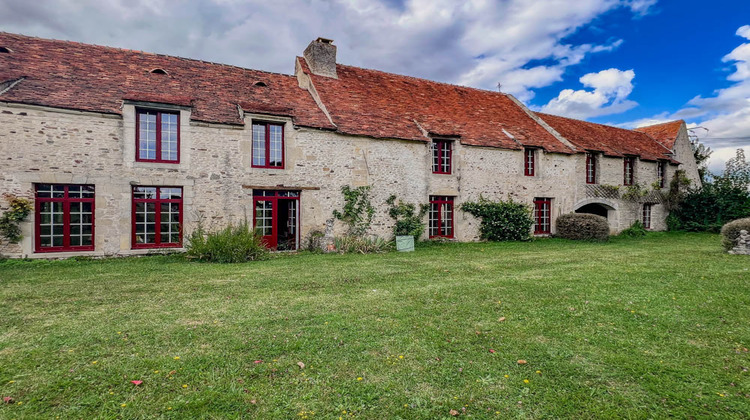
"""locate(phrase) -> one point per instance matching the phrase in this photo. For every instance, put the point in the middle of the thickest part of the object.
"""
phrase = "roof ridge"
(421, 79)
(661, 123)
(107, 47)
(590, 122)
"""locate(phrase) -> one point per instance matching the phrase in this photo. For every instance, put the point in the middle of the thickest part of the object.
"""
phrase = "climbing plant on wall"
(358, 210)
(19, 209)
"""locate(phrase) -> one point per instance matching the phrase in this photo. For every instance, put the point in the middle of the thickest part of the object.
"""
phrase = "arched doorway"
(594, 208)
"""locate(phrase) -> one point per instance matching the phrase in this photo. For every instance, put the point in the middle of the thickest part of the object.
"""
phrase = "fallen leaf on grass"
(492, 351)
(8, 400)
(301, 365)
(258, 361)
(522, 362)
(136, 383)
(453, 413)
(501, 319)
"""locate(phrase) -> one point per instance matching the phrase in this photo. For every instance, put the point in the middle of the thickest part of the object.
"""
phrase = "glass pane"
(275, 138)
(147, 136)
(170, 193)
(144, 192)
(44, 190)
(259, 145)
(168, 137)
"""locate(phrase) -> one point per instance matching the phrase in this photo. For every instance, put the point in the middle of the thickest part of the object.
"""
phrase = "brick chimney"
(321, 57)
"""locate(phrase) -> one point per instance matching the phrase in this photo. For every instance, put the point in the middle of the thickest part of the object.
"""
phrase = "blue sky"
(622, 62)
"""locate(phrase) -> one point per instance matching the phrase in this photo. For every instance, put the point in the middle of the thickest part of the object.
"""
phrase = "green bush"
(350, 244)
(580, 226)
(636, 230)
(709, 208)
(409, 222)
(233, 244)
(10, 219)
(731, 231)
(501, 220)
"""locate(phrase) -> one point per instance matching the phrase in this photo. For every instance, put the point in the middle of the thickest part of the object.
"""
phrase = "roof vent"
(5, 50)
(159, 71)
(261, 84)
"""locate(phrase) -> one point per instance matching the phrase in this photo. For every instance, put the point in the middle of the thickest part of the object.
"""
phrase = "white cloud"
(608, 95)
(726, 114)
(518, 43)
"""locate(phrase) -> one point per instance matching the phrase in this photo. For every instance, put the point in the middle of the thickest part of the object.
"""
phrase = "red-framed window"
(441, 217)
(646, 216)
(590, 168)
(542, 216)
(157, 137)
(529, 161)
(268, 145)
(64, 218)
(442, 156)
(661, 173)
(157, 217)
(628, 170)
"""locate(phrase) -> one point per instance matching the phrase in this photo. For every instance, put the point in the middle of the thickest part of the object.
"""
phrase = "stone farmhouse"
(122, 151)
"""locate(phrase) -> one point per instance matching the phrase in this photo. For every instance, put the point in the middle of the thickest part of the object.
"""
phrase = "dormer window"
(442, 155)
(628, 170)
(5, 50)
(529, 161)
(260, 84)
(157, 136)
(159, 71)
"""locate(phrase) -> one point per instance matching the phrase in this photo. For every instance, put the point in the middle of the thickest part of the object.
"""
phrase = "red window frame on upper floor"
(441, 217)
(661, 173)
(529, 161)
(442, 157)
(542, 216)
(161, 137)
(153, 200)
(268, 149)
(54, 210)
(628, 171)
(590, 168)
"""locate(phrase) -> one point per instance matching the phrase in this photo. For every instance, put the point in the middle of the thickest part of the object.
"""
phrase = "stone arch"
(599, 206)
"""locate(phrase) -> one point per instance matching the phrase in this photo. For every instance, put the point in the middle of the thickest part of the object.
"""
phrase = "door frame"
(274, 196)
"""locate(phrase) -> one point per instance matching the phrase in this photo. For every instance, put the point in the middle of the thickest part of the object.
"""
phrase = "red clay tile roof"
(385, 105)
(85, 77)
(665, 133)
(611, 141)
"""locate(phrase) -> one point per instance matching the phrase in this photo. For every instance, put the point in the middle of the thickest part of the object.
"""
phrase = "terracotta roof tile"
(385, 105)
(86, 77)
(611, 141)
(665, 133)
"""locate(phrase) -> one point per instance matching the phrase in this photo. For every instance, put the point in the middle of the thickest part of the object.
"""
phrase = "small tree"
(358, 210)
(501, 220)
(409, 222)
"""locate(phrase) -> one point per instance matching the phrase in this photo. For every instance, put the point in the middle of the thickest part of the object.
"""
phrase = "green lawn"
(644, 328)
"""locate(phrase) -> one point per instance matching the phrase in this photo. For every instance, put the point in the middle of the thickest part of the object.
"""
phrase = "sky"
(622, 62)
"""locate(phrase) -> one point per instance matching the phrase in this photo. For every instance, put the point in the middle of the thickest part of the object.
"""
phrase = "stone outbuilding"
(124, 152)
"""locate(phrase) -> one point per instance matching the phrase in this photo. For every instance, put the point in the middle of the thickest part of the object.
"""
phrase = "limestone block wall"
(44, 145)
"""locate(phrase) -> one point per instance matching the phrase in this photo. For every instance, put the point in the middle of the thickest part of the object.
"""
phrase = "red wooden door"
(264, 220)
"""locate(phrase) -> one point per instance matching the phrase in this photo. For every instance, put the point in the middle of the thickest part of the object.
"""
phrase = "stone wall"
(43, 145)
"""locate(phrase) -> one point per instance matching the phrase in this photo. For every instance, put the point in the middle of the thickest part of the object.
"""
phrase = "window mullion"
(158, 137)
(157, 218)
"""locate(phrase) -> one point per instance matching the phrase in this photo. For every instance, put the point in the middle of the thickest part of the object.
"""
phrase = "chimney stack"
(321, 57)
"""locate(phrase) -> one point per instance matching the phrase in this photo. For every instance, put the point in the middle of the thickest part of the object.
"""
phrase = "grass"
(633, 328)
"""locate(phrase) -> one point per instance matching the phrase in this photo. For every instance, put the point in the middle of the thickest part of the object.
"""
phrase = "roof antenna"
(499, 87)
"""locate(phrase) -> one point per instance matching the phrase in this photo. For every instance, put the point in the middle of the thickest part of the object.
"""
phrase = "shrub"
(501, 220)
(409, 222)
(579, 226)
(636, 230)
(349, 244)
(11, 218)
(731, 231)
(358, 211)
(233, 244)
